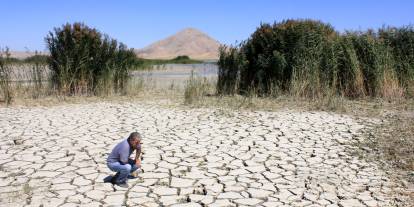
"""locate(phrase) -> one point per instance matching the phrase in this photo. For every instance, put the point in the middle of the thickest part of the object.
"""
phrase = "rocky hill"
(190, 42)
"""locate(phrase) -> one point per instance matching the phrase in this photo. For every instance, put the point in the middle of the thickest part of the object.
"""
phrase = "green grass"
(36, 58)
(138, 63)
(141, 63)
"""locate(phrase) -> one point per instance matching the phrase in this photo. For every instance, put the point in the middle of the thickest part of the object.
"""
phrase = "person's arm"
(138, 156)
(123, 156)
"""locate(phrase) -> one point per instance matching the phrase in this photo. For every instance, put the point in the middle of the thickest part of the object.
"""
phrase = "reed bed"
(308, 58)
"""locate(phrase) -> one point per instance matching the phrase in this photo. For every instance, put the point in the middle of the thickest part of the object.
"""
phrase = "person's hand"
(138, 163)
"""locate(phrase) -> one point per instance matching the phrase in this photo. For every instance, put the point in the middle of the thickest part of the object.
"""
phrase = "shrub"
(83, 60)
(309, 58)
(181, 58)
(276, 52)
(230, 62)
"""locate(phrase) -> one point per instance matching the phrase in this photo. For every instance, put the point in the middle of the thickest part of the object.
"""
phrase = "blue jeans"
(122, 170)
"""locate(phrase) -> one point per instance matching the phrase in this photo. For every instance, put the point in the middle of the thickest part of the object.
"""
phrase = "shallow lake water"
(175, 75)
(159, 76)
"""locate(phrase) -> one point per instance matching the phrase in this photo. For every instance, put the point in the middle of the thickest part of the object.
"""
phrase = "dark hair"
(134, 135)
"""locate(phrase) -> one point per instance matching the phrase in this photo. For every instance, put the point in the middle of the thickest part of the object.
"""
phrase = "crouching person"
(119, 160)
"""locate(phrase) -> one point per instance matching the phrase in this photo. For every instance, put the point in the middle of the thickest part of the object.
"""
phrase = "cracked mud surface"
(56, 156)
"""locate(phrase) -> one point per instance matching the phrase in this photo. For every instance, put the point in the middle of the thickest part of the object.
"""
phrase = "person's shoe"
(122, 185)
(113, 180)
(135, 173)
(108, 179)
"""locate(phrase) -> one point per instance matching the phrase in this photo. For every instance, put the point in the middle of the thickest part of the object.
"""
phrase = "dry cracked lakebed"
(56, 156)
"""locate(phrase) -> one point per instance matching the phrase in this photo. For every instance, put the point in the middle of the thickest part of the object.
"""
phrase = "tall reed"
(195, 88)
(37, 76)
(5, 76)
(308, 58)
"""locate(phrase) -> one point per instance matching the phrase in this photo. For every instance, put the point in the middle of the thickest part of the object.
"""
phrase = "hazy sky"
(25, 23)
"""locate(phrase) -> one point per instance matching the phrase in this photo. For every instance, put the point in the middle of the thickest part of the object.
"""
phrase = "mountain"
(190, 42)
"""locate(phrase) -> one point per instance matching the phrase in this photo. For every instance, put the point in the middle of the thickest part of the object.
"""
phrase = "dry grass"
(390, 144)
(196, 88)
